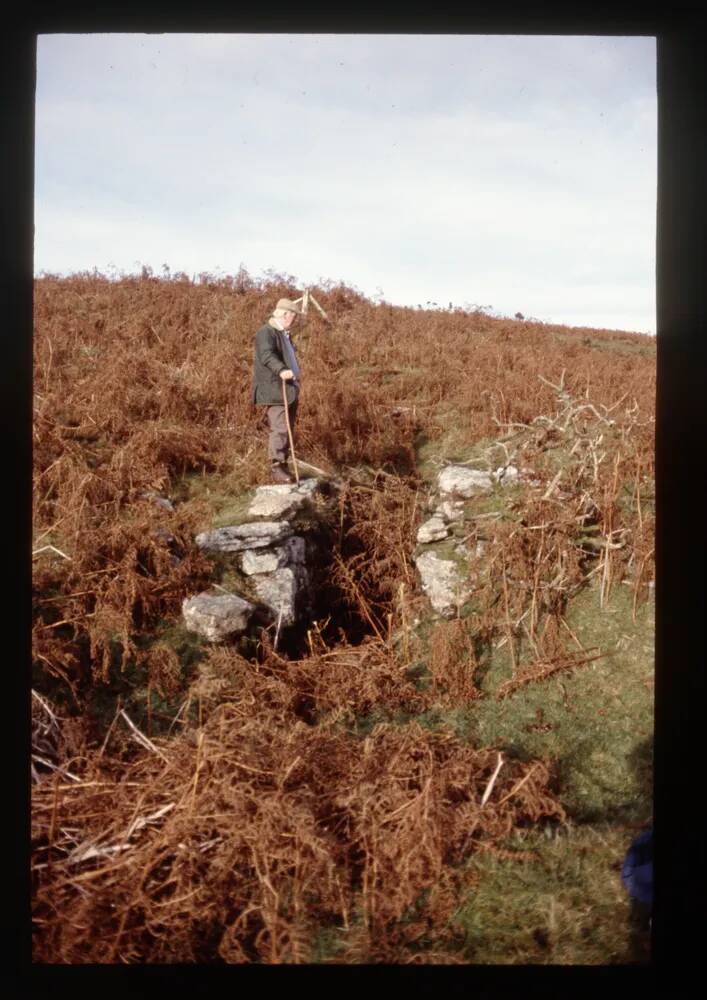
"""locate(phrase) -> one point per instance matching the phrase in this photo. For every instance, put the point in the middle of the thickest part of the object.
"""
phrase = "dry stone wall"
(446, 576)
(269, 555)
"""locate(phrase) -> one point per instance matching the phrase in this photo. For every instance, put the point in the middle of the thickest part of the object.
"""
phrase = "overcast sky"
(514, 172)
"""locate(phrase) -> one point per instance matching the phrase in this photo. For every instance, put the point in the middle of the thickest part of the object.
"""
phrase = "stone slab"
(281, 500)
(280, 591)
(432, 530)
(442, 583)
(217, 617)
(458, 480)
(239, 537)
(269, 560)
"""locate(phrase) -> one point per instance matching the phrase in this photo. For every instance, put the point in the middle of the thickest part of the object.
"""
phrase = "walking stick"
(289, 429)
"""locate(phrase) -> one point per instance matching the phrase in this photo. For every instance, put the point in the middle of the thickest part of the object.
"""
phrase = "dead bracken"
(230, 803)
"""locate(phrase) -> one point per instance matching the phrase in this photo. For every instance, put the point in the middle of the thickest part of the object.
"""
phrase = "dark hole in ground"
(336, 613)
(335, 616)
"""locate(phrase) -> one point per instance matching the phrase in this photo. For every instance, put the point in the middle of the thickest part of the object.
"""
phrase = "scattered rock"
(432, 531)
(281, 500)
(293, 551)
(156, 498)
(265, 561)
(238, 538)
(442, 583)
(464, 482)
(450, 510)
(281, 591)
(217, 617)
(507, 474)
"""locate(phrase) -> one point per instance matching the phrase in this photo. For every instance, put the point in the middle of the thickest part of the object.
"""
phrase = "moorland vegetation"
(390, 788)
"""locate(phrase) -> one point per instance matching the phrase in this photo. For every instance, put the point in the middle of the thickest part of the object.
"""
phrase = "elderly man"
(275, 366)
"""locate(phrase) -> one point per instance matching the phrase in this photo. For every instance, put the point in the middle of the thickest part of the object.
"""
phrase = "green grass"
(559, 901)
(188, 645)
(452, 445)
(568, 906)
(595, 726)
(594, 721)
(620, 347)
(224, 494)
(130, 684)
(446, 549)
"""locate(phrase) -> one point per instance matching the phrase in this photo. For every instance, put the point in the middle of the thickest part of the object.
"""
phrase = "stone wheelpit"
(271, 564)
(273, 568)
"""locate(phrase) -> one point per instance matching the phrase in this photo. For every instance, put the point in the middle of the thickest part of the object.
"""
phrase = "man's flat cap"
(289, 305)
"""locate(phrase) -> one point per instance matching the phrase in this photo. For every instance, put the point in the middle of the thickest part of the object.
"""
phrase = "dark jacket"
(269, 362)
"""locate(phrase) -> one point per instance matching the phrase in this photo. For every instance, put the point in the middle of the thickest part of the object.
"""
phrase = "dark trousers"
(278, 441)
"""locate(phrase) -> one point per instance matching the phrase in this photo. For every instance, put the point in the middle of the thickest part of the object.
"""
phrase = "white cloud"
(524, 167)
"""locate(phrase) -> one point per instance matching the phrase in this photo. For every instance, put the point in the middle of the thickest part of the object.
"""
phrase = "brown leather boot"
(279, 474)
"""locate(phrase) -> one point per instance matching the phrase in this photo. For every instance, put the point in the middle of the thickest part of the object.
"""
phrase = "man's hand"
(286, 374)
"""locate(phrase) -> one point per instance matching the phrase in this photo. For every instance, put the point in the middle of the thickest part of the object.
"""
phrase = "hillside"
(321, 801)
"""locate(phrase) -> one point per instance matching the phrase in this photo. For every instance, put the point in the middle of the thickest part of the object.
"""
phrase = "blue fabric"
(290, 356)
(637, 871)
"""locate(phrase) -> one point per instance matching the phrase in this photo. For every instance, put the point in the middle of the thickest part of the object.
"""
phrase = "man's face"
(288, 319)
